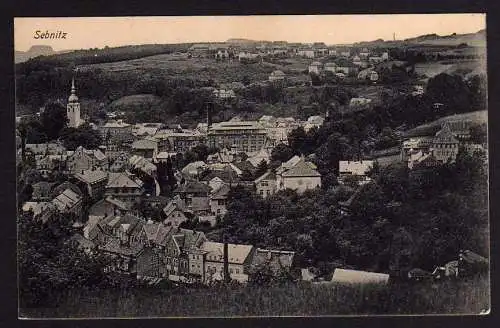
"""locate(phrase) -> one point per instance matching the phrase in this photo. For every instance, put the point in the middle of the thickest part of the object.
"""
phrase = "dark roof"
(224, 175)
(274, 259)
(269, 175)
(113, 246)
(66, 185)
(245, 165)
(222, 192)
(193, 187)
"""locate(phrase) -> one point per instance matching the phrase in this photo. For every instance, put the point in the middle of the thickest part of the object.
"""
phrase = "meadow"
(466, 296)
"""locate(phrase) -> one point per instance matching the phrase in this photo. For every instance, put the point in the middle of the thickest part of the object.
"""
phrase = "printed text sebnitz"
(50, 35)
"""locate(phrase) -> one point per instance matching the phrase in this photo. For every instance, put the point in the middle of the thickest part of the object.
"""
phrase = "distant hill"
(477, 39)
(35, 51)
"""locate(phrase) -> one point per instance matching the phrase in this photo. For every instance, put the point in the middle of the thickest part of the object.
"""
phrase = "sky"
(97, 32)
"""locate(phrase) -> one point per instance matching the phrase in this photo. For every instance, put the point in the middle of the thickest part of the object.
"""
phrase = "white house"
(358, 169)
(298, 175)
(315, 67)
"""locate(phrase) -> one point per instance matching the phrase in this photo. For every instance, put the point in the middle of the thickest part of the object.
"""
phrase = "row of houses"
(148, 249)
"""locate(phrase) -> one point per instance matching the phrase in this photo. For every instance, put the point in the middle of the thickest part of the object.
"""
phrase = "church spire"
(73, 97)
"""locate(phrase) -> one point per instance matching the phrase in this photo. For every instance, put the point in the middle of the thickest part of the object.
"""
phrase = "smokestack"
(227, 278)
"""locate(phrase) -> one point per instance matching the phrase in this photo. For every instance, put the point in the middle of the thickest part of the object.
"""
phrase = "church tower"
(73, 108)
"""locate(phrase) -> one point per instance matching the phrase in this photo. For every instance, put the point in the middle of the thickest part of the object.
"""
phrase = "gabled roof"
(96, 153)
(192, 168)
(269, 175)
(66, 185)
(445, 136)
(145, 144)
(114, 246)
(274, 259)
(301, 169)
(173, 205)
(193, 187)
(91, 176)
(122, 180)
(66, 200)
(355, 167)
(237, 253)
(221, 193)
(245, 165)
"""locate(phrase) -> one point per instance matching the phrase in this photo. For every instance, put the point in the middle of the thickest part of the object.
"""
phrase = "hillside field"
(168, 66)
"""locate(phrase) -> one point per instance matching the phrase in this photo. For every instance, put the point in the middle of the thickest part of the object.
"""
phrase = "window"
(237, 271)
(230, 270)
(264, 183)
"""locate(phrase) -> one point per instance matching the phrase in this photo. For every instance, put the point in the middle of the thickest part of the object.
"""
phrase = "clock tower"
(73, 108)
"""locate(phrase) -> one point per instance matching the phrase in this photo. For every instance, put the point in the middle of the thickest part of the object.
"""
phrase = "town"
(196, 199)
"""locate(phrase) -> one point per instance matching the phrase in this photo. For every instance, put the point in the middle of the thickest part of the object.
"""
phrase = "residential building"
(195, 196)
(315, 67)
(146, 129)
(44, 149)
(106, 207)
(330, 67)
(68, 202)
(180, 247)
(123, 238)
(219, 200)
(307, 53)
(94, 181)
(298, 175)
(445, 145)
(120, 163)
(357, 169)
(239, 259)
(85, 159)
(175, 213)
(313, 122)
(224, 93)
(143, 165)
(277, 261)
(243, 136)
(277, 76)
(124, 187)
(368, 74)
(147, 148)
(116, 132)
(179, 141)
(194, 169)
(266, 184)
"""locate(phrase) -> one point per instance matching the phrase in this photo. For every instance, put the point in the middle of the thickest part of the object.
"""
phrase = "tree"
(84, 136)
(282, 153)
(53, 119)
(261, 168)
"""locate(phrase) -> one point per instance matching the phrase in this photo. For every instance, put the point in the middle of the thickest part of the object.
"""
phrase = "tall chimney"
(227, 278)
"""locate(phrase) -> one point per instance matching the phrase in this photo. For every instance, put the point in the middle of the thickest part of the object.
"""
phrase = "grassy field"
(470, 296)
(430, 128)
(169, 65)
(431, 69)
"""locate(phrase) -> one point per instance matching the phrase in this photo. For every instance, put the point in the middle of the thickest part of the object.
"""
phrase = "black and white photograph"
(252, 166)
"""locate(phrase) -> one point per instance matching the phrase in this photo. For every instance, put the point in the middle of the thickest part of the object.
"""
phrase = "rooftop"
(237, 254)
